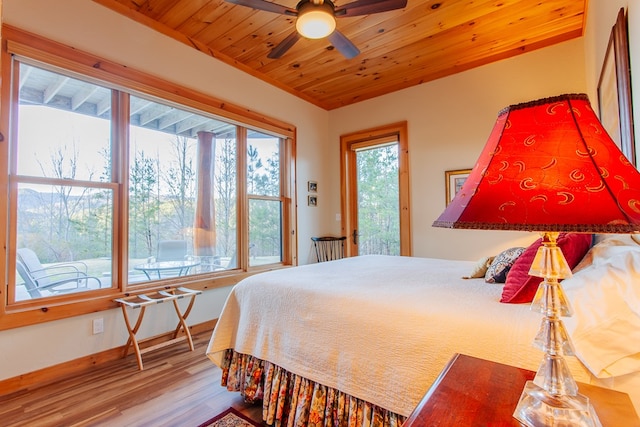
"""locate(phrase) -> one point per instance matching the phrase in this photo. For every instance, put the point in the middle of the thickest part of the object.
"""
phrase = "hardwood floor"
(178, 387)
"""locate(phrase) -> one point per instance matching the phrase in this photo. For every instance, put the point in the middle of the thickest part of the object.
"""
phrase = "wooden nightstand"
(477, 392)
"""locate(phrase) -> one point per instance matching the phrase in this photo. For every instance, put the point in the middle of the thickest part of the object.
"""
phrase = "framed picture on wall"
(454, 180)
(614, 89)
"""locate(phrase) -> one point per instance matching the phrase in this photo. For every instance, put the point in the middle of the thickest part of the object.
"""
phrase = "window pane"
(378, 200)
(64, 240)
(265, 236)
(63, 232)
(263, 164)
(64, 127)
(182, 192)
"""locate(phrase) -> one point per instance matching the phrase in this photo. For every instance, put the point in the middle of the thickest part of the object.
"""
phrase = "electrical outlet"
(98, 326)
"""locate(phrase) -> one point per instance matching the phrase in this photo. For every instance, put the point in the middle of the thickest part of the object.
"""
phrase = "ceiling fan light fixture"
(315, 21)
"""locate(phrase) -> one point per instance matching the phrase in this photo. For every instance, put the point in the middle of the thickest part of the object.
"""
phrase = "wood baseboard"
(55, 373)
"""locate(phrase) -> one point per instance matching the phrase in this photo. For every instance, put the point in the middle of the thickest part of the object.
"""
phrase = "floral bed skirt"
(289, 400)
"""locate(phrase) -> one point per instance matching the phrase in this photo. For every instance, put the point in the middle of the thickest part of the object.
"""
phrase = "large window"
(182, 192)
(62, 188)
(114, 190)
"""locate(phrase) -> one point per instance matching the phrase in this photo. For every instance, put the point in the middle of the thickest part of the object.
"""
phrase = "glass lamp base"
(537, 408)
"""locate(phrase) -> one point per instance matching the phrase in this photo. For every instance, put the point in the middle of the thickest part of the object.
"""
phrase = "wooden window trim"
(53, 54)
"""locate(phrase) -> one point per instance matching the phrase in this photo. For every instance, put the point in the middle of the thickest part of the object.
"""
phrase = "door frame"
(348, 181)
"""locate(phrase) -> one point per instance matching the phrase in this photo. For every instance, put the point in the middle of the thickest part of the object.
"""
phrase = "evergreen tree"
(378, 219)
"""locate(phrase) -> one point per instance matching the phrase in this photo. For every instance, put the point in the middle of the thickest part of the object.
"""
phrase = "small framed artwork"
(312, 201)
(454, 180)
(312, 186)
(614, 90)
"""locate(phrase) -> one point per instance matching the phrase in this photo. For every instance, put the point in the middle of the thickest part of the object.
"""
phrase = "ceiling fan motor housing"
(316, 19)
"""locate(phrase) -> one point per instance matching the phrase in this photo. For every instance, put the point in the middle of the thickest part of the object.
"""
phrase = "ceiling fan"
(316, 19)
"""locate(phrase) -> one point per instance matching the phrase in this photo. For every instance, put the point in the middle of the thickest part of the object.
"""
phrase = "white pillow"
(603, 241)
(605, 297)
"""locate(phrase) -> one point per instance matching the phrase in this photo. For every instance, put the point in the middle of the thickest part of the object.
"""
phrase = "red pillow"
(520, 287)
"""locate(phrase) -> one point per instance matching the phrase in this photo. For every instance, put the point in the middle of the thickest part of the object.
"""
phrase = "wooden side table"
(477, 392)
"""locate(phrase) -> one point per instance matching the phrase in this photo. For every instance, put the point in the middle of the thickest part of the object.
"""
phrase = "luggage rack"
(141, 301)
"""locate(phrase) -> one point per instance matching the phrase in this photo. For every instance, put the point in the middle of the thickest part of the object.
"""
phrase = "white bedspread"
(380, 328)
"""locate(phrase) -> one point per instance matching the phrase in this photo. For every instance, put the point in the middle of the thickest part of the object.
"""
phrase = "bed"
(360, 340)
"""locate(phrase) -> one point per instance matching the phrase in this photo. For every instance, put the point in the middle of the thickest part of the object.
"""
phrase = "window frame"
(126, 81)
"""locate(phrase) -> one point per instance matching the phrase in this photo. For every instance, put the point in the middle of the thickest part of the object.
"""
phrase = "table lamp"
(549, 166)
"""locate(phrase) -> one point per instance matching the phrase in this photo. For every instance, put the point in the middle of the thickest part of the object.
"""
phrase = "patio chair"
(57, 278)
(172, 250)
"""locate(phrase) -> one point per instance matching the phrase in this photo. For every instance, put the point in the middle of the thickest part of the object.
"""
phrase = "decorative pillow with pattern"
(501, 264)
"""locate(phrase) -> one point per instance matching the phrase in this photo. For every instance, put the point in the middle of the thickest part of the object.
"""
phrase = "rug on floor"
(230, 418)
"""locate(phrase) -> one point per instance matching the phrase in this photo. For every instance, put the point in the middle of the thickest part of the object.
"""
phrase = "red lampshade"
(549, 165)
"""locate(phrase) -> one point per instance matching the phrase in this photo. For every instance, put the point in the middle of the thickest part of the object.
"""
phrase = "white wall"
(449, 121)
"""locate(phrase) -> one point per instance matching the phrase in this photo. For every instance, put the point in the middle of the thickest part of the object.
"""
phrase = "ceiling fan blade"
(343, 44)
(284, 46)
(368, 7)
(265, 5)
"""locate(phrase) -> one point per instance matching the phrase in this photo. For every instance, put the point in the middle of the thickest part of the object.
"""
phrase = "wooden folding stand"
(142, 301)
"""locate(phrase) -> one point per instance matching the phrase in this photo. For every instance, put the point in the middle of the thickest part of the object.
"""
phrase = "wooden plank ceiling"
(428, 39)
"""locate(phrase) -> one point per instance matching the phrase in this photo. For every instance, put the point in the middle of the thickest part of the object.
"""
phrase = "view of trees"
(263, 179)
(64, 222)
(378, 192)
(69, 222)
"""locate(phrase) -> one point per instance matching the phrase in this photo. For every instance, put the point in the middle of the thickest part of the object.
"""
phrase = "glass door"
(375, 185)
(378, 230)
